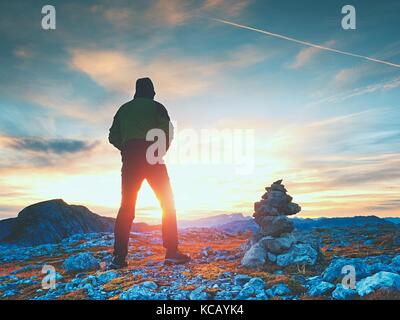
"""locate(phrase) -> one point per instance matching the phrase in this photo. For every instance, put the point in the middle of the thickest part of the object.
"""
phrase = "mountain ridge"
(52, 220)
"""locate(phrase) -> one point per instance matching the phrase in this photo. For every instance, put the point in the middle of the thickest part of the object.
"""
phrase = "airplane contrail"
(306, 43)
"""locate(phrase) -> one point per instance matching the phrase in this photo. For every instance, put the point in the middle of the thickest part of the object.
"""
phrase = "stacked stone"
(272, 210)
(275, 241)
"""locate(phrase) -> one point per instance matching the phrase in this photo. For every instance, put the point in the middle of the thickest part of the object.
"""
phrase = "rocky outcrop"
(50, 222)
(275, 242)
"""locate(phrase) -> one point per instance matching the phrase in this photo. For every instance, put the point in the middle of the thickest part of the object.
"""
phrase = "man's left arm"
(165, 124)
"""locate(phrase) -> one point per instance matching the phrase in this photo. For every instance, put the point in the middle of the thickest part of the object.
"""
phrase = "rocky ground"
(214, 273)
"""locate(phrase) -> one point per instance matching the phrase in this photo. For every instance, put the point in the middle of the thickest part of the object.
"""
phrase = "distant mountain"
(213, 221)
(357, 221)
(240, 226)
(248, 224)
(393, 220)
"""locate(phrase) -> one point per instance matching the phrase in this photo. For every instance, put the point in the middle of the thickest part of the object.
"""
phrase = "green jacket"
(135, 118)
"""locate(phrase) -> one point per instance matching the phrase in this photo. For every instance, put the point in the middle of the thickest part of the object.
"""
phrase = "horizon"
(193, 219)
(325, 122)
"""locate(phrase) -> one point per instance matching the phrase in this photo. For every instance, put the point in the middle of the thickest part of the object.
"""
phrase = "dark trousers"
(134, 170)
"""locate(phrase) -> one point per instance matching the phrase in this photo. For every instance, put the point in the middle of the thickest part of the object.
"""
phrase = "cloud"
(226, 7)
(54, 146)
(307, 54)
(173, 74)
(388, 205)
(381, 86)
(47, 146)
(22, 53)
(171, 13)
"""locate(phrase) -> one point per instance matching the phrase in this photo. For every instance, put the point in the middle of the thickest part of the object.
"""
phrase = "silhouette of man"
(128, 132)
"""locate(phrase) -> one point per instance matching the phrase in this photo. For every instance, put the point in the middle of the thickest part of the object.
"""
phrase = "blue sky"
(327, 123)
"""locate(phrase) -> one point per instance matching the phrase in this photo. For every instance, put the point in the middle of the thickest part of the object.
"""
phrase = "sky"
(325, 122)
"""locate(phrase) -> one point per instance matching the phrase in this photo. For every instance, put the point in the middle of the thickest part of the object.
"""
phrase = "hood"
(144, 88)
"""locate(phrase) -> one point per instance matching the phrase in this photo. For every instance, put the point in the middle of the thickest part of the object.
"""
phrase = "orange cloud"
(174, 76)
(305, 55)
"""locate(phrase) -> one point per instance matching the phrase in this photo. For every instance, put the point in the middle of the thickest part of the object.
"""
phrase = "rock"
(395, 265)
(256, 284)
(343, 293)
(199, 294)
(276, 199)
(298, 254)
(379, 266)
(246, 293)
(280, 289)
(273, 241)
(81, 262)
(241, 279)
(261, 295)
(291, 208)
(266, 210)
(150, 285)
(223, 295)
(140, 292)
(254, 257)
(396, 260)
(298, 278)
(381, 280)
(334, 271)
(275, 225)
(107, 277)
(278, 245)
(271, 257)
(206, 251)
(320, 289)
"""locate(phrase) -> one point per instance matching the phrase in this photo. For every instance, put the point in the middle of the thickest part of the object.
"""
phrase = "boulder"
(343, 293)
(320, 289)
(246, 293)
(280, 289)
(380, 281)
(254, 257)
(278, 245)
(241, 279)
(275, 225)
(256, 284)
(395, 265)
(81, 262)
(334, 271)
(142, 292)
(291, 208)
(298, 254)
(199, 294)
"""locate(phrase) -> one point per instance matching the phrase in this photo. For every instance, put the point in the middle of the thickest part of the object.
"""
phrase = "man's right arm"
(114, 136)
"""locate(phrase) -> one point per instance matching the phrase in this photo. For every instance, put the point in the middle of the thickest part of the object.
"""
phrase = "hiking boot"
(118, 263)
(176, 257)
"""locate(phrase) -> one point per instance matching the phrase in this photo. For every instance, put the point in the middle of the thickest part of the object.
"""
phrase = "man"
(128, 133)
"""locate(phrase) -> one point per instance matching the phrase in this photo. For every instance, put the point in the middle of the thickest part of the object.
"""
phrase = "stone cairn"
(275, 242)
